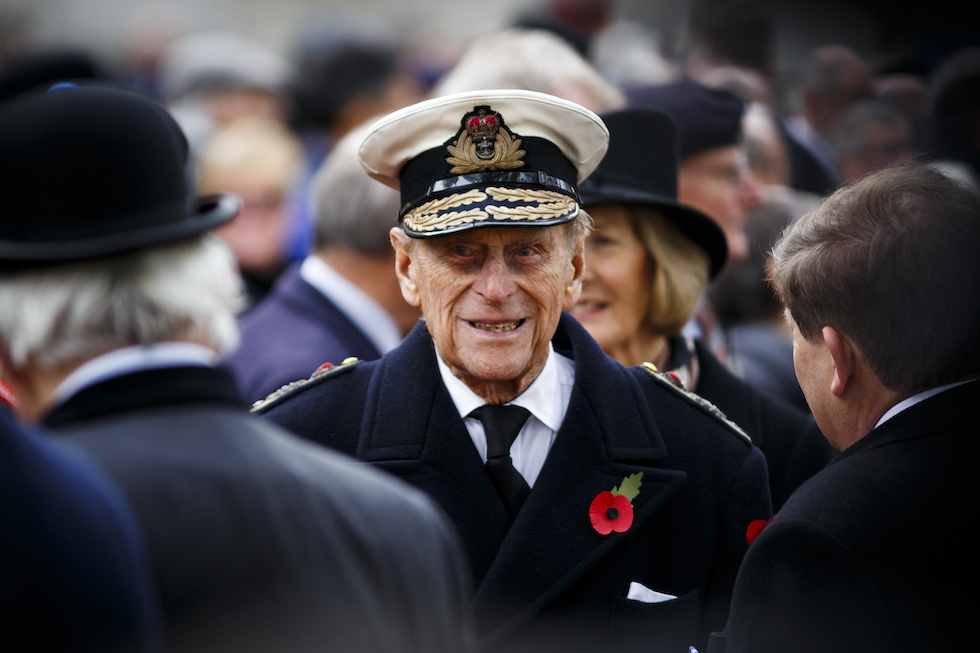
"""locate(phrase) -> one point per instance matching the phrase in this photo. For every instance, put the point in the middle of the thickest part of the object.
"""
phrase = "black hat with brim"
(706, 118)
(640, 167)
(92, 172)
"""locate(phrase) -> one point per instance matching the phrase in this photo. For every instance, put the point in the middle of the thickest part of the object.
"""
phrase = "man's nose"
(749, 190)
(496, 281)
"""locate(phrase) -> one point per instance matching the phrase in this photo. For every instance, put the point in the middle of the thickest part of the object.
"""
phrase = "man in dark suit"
(612, 516)
(343, 300)
(875, 552)
(115, 303)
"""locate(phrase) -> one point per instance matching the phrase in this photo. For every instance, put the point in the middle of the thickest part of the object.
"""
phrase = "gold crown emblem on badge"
(483, 126)
(484, 143)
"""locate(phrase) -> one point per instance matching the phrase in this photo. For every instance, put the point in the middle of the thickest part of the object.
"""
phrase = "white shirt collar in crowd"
(366, 314)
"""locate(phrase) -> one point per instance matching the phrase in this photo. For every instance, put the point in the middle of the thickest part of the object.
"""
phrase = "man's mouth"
(497, 328)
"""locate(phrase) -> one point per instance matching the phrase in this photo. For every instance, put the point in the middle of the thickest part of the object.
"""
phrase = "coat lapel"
(552, 543)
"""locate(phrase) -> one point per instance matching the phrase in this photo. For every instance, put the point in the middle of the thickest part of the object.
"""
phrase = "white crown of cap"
(401, 136)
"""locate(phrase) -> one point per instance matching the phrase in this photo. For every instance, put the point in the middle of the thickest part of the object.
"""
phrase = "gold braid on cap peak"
(430, 216)
(535, 205)
(549, 204)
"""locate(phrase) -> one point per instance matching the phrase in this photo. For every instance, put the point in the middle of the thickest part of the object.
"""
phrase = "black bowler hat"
(95, 171)
(640, 167)
(36, 69)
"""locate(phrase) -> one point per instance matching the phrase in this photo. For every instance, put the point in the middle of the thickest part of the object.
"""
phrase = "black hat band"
(539, 155)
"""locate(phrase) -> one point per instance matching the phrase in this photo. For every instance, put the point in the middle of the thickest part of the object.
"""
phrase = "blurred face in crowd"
(883, 145)
(258, 233)
(616, 286)
(491, 298)
(257, 160)
(719, 184)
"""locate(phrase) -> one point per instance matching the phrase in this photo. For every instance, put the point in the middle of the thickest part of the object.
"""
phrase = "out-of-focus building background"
(117, 28)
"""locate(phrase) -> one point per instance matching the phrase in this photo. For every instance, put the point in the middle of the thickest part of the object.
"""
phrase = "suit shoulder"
(673, 384)
(324, 373)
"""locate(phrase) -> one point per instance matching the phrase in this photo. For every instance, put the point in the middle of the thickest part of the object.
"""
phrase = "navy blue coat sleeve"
(74, 573)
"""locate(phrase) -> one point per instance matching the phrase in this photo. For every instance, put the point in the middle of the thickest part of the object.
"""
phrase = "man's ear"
(844, 356)
(404, 266)
(574, 288)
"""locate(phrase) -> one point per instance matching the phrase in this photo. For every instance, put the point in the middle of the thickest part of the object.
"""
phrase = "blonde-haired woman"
(648, 263)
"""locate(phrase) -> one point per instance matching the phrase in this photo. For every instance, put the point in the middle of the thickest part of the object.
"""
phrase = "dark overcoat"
(289, 334)
(794, 447)
(549, 581)
(877, 552)
(74, 573)
(259, 540)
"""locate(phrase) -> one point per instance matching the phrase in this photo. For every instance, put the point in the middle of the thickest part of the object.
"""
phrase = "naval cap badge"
(484, 143)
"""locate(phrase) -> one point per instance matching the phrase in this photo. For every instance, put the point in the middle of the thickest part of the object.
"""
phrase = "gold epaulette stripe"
(295, 385)
(678, 388)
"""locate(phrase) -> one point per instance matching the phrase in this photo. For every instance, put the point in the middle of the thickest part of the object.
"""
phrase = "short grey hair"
(188, 291)
(350, 208)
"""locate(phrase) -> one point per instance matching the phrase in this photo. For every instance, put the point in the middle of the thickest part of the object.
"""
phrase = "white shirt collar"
(132, 359)
(366, 314)
(546, 398)
(905, 404)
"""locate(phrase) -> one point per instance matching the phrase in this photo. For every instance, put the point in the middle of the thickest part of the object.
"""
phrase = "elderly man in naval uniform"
(601, 507)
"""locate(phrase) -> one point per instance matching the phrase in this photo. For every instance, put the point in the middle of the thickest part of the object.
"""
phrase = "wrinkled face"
(491, 298)
(718, 183)
(616, 287)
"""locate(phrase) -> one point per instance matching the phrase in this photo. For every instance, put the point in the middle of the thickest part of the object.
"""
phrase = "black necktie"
(502, 424)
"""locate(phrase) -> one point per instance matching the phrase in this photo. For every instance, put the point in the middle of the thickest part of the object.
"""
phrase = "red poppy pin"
(755, 529)
(7, 395)
(613, 510)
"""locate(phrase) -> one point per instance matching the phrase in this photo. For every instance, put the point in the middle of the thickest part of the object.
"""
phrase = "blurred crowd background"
(264, 90)
(133, 35)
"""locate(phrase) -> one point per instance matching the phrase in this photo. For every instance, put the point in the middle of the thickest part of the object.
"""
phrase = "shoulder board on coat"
(321, 373)
(673, 382)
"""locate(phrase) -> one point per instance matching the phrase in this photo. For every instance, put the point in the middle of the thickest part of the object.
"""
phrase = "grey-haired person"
(116, 302)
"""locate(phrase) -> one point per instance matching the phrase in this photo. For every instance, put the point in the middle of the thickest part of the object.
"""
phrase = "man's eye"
(460, 250)
(525, 251)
